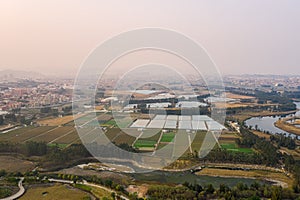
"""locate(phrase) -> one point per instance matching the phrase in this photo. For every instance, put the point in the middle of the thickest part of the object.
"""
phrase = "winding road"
(19, 193)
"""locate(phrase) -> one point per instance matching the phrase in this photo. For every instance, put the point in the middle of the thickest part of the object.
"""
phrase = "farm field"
(124, 138)
(58, 120)
(166, 152)
(104, 118)
(124, 123)
(181, 142)
(121, 123)
(71, 123)
(198, 140)
(112, 133)
(53, 134)
(118, 136)
(144, 144)
(152, 135)
(86, 118)
(93, 123)
(110, 123)
(234, 147)
(97, 192)
(15, 164)
(21, 135)
(167, 137)
(14, 133)
(67, 138)
(147, 140)
(238, 96)
(125, 120)
(227, 135)
(91, 119)
(58, 191)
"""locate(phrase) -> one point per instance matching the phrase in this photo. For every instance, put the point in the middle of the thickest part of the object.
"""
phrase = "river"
(187, 176)
(172, 177)
(267, 123)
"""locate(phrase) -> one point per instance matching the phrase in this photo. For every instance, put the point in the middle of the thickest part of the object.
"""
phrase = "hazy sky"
(55, 36)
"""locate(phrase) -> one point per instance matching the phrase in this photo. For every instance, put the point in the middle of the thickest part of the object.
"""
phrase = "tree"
(1, 120)
(35, 148)
(113, 195)
(3, 172)
(210, 189)
(276, 193)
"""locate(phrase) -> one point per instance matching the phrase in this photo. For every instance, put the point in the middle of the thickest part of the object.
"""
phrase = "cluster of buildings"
(264, 82)
(17, 96)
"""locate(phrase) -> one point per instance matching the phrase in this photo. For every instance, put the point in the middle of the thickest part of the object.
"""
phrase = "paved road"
(19, 193)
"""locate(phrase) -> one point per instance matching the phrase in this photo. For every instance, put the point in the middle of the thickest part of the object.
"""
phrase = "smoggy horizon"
(242, 37)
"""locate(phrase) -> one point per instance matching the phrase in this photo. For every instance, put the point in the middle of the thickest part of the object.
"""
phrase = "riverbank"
(277, 178)
(232, 170)
(247, 115)
(284, 125)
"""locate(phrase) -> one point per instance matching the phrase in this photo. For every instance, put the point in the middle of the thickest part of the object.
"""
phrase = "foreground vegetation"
(240, 191)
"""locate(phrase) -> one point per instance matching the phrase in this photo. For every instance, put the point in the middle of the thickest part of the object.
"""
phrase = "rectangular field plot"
(165, 150)
(117, 136)
(152, 135)
(94, 135)
(213, 125)
(159, 117)
(170, 124)
(85, 119)
(110, 123)
(201, 118)
(104, 117)
(71, 123)
(181, 143)
(167, 137)
(198, 125)
(93, 123)
(124, 138)
(27, 135)
(140, 123)
(14, 133)
(53, 134)
(197, 140)
(172, 117)
(67, 138)
(235, 148)
(120, 123)
(57, 121)
(184, 125)
(144, 144)
(132, 131)
(112, 133)
(156, 124)
(184, 118)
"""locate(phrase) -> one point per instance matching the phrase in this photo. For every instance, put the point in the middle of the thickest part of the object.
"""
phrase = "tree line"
(190, 191)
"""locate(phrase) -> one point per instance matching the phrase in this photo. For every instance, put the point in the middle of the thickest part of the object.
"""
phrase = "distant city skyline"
(242, 37)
